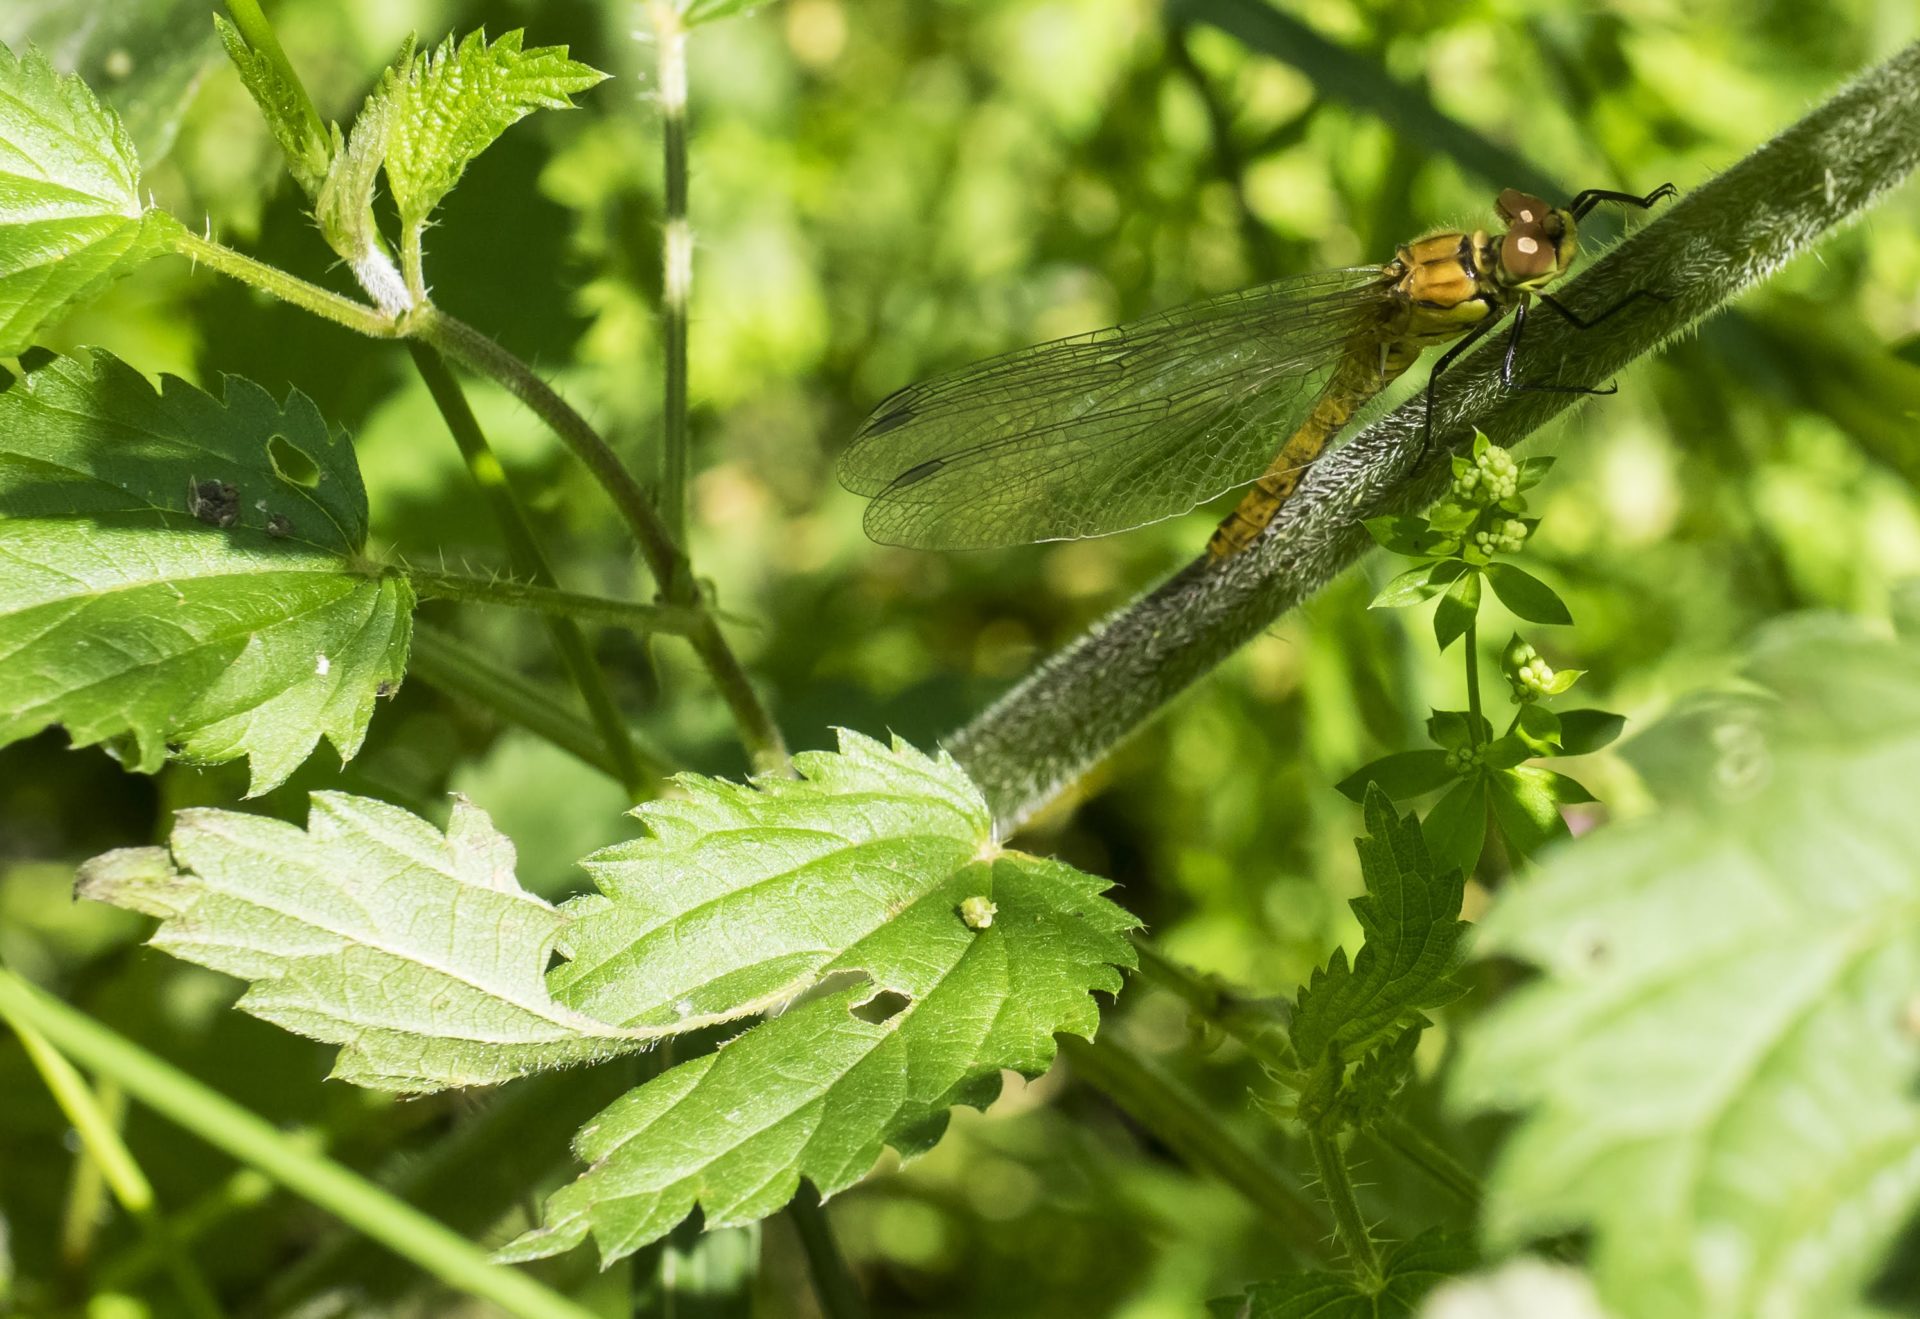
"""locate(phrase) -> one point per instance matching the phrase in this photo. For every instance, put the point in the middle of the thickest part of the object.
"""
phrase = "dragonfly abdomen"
(1362, 373)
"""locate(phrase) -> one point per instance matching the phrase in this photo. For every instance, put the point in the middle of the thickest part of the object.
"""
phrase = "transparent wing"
(1110, 430)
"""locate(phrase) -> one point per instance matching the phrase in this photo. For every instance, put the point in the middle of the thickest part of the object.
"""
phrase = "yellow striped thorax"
(1448, 281)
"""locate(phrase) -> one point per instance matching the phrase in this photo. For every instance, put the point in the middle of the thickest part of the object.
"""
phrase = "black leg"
(1592, 197)
(1521, 386)
(1574, 318)
(1445, 360)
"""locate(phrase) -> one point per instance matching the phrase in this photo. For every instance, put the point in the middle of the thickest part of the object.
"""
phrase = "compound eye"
(1516, 207)
(1525, 253)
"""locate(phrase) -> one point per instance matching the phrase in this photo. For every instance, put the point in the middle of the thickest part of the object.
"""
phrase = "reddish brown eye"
(1526, 253)
(1520, 208)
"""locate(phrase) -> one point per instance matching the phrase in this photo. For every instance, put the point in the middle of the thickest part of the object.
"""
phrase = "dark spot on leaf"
(881, 1008)
(215, 503)
(386, 688)
(279, 526)
(291, 463)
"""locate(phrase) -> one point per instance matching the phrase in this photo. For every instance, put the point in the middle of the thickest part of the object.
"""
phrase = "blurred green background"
(882, 190)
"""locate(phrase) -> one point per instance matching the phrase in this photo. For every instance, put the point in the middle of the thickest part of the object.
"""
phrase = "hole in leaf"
(881, 1008)
(291, 463)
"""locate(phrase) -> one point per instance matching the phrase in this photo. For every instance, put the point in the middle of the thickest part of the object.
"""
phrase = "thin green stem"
(1471, 641)
(100, 1138)
(251, 1140)
(833, 1283)
(413, 264)
(758, 732)
(87, 1188)
(1413, 1145)
(481, 355)
(356, 316)
(1258, 1029)
(1336, 1184)
(455, 668)
(529, 557)
(640, 618)
(1175, 1116)
(676, 266)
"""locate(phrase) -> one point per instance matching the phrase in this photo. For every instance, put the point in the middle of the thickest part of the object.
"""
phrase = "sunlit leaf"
(416, 951)
(1716, 1069)
(866, 869)
(72, 219)
(185, 574)
(449, 104)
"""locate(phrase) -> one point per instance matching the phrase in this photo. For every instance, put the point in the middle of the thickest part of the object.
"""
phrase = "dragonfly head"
(1539, 243)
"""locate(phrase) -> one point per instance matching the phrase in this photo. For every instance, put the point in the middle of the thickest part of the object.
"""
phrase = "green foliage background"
(881, 190)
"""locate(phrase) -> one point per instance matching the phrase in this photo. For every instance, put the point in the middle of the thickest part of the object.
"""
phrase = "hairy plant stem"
(102, 1149)
(529, 557)
(252, 1140)
(478, 353)
(1716, 240)
(356, 316)
(453, 667)
(1175, 1116)
(552, 601)
(1336, 1184)
(676, 247)
(833, 1284)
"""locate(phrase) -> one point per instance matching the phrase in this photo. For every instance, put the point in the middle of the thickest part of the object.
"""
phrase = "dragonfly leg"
(1578, 322)
(1524, 387)
(1441, 363)
(1592, 197)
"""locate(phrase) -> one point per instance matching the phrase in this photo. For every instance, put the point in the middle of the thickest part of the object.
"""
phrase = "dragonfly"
(1104, 432)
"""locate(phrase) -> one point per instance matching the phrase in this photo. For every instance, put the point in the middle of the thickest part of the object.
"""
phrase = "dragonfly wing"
(1110, 430)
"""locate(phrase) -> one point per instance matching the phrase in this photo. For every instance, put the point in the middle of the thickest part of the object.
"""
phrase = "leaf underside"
(183, 575)
(1719, 986)
(414, 950)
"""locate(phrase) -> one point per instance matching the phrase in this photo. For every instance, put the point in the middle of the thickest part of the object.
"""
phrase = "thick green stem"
(99, 1133)
(356, 316)
(833, 1284)
(1175, 1116)
(453, 667)
(1717, 240)
(1336, 1184)
(529, 557)
(251, 1140)
(676, 285)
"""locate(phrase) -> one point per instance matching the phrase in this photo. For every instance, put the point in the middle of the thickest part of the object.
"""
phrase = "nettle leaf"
(416, 951)
(185, 574)
(71, 217)
(284, 105)
(450, 104)
(1415, 941)
(145, 58)
(864, 869)
(1411, 1270)
(1716, 1068)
